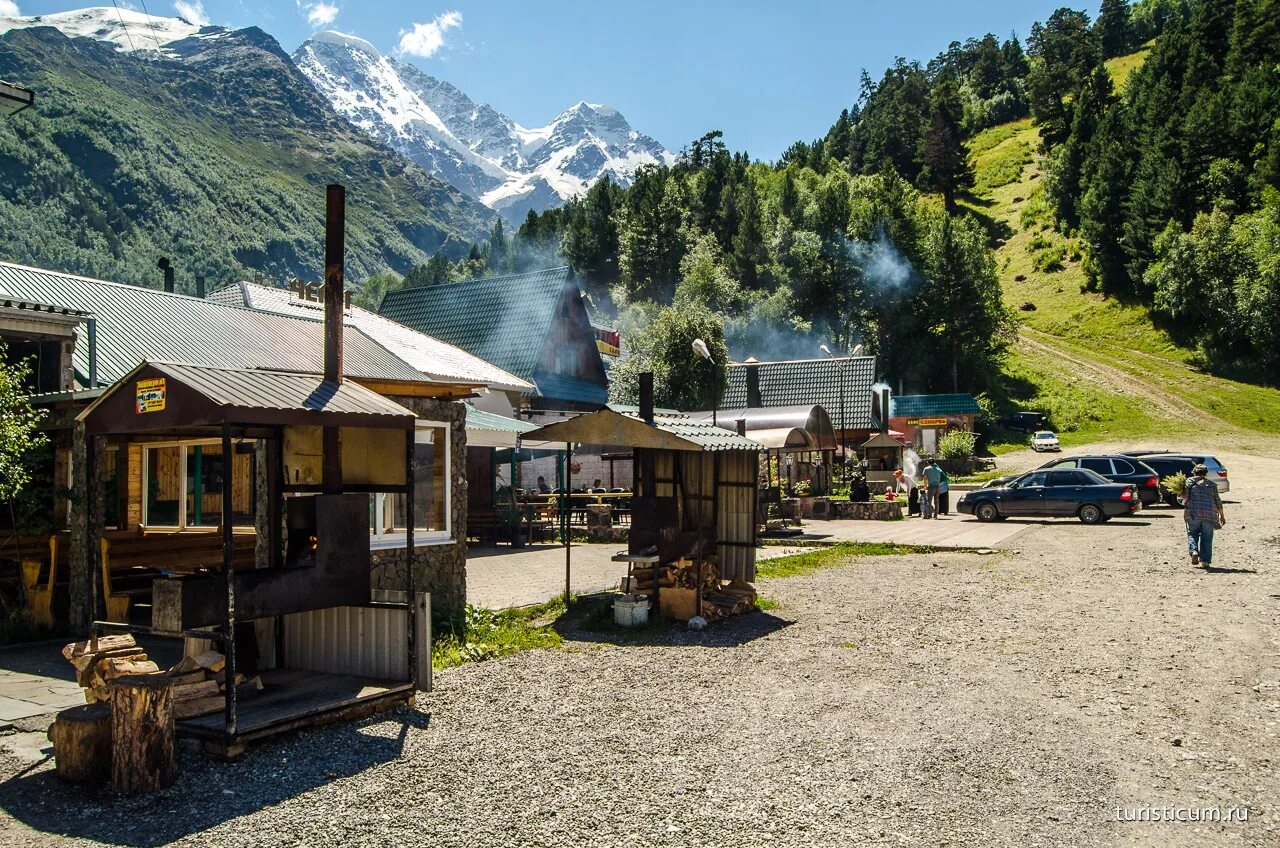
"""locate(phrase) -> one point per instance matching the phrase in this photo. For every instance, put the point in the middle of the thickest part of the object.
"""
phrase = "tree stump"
(142, 734)
(81, 738)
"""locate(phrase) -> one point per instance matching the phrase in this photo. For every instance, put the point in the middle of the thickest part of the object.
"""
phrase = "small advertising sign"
(150, 395)
(927, 422)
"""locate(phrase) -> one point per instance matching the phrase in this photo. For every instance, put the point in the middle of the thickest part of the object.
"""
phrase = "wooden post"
(81, 738)
(568, 515)
(229, 578)
(142, 735)
(412, 645)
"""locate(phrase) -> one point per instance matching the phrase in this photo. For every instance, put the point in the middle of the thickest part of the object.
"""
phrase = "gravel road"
(951, 699)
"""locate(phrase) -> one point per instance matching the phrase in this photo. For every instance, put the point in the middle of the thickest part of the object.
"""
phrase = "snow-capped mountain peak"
(483, 152)
(129, 30)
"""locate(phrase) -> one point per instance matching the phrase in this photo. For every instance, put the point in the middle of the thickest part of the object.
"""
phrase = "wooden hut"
(695, 484)
(329, 646)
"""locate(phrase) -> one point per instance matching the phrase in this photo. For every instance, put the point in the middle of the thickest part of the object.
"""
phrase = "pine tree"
(1114, 28)
(945, 157)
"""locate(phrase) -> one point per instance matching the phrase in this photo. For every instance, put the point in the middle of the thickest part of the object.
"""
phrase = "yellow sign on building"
(150, 395)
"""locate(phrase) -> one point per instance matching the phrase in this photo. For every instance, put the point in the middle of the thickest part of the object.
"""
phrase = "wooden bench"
(36, 586)
(130, 562)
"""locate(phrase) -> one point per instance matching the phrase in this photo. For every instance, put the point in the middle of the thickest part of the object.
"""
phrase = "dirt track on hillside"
(1163, 402)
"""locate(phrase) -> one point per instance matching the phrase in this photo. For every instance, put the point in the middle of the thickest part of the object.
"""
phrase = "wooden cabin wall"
(735, 524)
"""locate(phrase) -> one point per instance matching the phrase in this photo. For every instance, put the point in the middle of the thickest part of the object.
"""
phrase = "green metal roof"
(903, 406)
(575, 389)
(136, 324)
(480, 420)
(808, 382)
(503, 320)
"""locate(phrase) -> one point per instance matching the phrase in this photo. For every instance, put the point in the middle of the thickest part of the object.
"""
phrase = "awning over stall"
(626, 429)
(774, 426)
(490, 430)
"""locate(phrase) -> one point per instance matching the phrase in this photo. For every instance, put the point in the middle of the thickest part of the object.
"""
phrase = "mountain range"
(483, 152)
(204, 145)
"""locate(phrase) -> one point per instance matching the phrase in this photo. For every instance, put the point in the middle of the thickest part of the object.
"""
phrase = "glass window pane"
(205, 468)
(164, 485)
(429, 493)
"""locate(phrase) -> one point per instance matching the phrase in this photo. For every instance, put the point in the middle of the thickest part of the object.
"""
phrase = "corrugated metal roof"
(136, 324)
(573, 389)
(704, 433)
(437, 359)
(803, 382)
(503, 320)
(901, 406)
(236, 388)
(480, 420)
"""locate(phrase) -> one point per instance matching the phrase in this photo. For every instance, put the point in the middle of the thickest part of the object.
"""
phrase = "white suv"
(1044, 440)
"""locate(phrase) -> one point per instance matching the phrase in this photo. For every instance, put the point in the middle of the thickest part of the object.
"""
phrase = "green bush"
(956, 444)
(1051, 260)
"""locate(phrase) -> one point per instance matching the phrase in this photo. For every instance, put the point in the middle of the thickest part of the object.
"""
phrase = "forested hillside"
(215, 155)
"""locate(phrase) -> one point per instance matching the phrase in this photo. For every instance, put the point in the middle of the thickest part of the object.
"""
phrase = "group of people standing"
(930, 495)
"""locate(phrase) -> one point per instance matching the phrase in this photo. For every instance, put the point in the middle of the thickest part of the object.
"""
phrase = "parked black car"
(1166, 466)
(1117, 469)
(1062, 492)
(1025, 421)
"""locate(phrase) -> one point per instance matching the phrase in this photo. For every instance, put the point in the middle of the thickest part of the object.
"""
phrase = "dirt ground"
(1042, 696)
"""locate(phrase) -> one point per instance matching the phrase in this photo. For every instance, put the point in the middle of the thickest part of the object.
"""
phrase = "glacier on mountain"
(508, 167)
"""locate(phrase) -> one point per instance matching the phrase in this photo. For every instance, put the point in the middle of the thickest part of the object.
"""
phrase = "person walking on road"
(1204, 515)
(944, 493)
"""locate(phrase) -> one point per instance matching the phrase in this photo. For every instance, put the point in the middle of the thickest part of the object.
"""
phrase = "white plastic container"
(631, 610)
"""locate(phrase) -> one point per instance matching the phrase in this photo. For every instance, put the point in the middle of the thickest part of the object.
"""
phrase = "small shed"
(883, 455)
(695, 484)
(923, 419)
(324, 643)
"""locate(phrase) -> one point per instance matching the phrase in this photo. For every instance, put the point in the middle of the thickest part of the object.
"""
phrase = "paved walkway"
(499, 577)
(35, 680)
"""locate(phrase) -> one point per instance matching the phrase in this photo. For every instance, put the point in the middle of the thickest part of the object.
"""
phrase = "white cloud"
(425, 40)
(319, 13)
(191, 11)
(9, 8)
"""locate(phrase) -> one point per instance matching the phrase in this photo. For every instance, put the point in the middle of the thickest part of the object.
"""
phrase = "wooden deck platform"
(293, 698)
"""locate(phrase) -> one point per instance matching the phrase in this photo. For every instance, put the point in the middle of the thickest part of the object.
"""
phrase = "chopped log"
(193, 707)
(81, 738)
(202, 689)
(187, 679)
(85, 664)
(211, 661)
(105, 643)
(250, 688)
(187, 665)
(113, 667)
(142, 755)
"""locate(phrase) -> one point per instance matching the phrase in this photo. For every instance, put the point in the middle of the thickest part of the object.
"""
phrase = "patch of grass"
(766, 603)
(1001, 163)
(487, 634)
(825, 557)
(1122, 66)
(981, 476)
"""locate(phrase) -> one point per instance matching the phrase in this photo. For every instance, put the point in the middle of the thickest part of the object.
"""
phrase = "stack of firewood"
(199, 683)
(679, 580)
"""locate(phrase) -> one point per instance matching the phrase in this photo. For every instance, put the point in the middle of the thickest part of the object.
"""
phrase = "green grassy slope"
(1101, 368)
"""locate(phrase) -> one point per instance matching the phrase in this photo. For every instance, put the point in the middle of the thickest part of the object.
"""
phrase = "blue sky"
(765, 73)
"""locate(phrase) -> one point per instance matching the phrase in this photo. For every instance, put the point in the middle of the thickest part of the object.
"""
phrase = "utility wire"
(123, 26)
(151, 25)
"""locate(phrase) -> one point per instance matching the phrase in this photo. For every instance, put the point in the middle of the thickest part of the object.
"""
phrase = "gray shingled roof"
(803, 382)
(137, 324)
(503, 320)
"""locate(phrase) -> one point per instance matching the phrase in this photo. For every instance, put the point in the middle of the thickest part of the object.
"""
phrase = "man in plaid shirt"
(1204, 515)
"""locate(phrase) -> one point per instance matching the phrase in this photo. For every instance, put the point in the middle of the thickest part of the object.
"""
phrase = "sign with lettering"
(927, 422)
(314, 292)
(607, 349)
(150, 395)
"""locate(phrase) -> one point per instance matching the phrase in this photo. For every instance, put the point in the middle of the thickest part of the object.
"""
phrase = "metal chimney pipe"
(753, 385)
(334, 251)
(200, 286)
(165, 265)
(646, 396)
(92, 341)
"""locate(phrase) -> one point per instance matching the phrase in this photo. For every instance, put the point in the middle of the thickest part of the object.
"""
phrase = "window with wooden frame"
(432, 491)
(182, 484)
